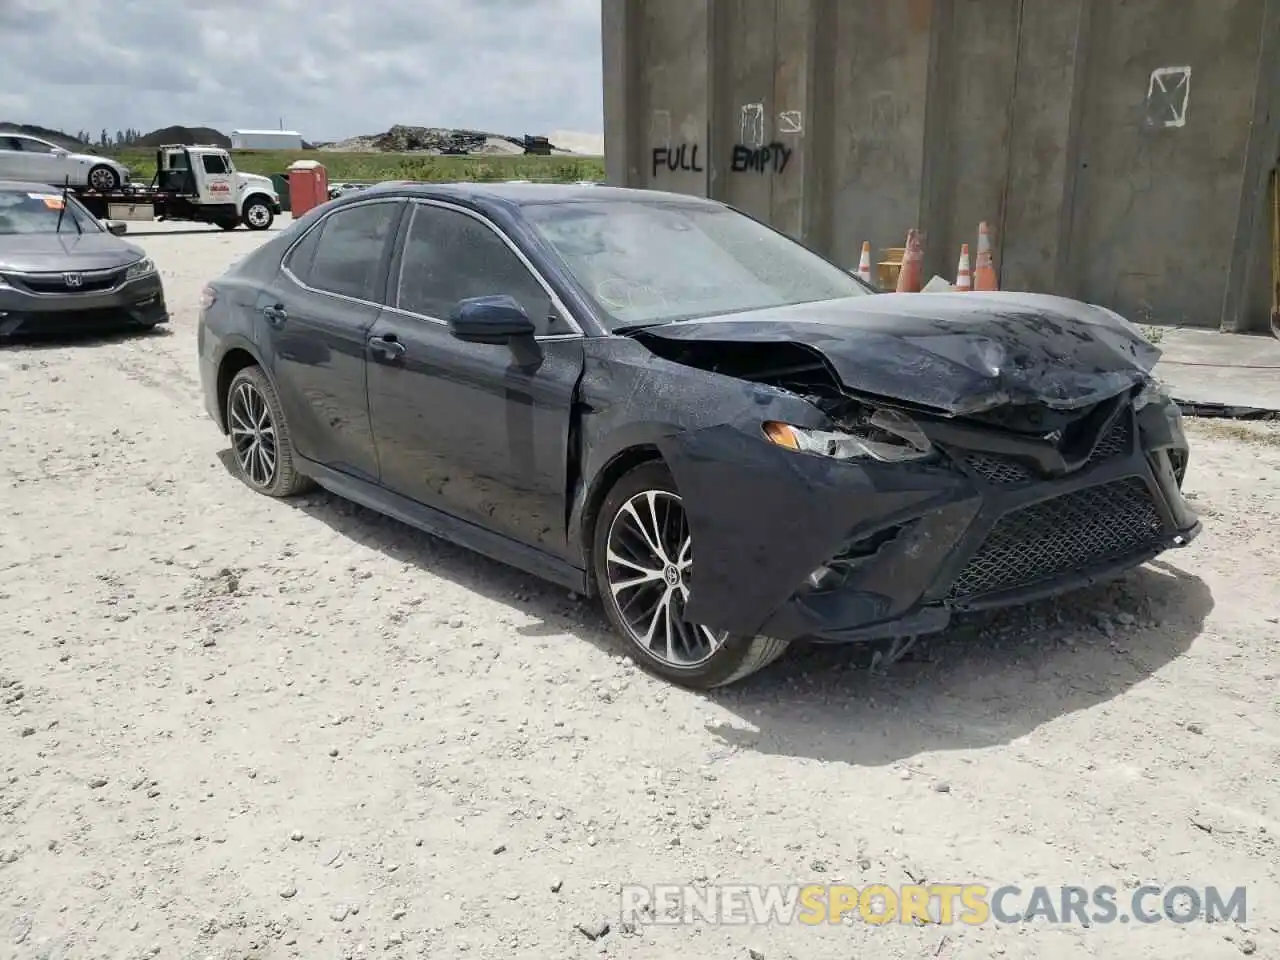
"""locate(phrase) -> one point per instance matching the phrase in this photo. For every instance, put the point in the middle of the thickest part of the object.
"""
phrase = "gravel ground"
(240, 727)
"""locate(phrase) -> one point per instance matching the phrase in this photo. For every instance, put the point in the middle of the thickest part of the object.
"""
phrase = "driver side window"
(450, 256)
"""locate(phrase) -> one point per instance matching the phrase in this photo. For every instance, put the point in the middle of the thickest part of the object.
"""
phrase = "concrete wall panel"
(1107, 170)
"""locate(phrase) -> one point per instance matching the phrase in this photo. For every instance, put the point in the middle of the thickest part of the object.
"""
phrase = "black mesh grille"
(1006, 472)
(1084, 529)
(999, 470)
(1114, 443)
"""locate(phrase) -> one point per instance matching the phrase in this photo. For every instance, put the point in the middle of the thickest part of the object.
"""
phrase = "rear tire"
(104, 179)
(260, 441)
(257, 213)
(644, 591)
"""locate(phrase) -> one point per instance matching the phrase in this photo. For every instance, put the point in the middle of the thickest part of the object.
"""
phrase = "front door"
(216, 182)
(314, 322)
(472, 429)
(42, 161)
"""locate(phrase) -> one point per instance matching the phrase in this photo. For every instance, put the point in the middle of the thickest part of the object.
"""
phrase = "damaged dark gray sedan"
(659, 400)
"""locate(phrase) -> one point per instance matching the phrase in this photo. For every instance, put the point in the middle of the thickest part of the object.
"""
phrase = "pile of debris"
(441, 141)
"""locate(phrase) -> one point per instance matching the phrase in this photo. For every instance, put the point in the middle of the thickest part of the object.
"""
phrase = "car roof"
(527, 194)
(26, 186)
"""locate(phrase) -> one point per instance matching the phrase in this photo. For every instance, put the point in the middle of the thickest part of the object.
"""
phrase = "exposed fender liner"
(763, 518)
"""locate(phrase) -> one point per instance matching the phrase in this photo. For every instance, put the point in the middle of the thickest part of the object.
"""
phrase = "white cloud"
(331, 69)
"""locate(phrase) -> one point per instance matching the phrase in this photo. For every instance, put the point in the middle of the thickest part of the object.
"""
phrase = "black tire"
(256, 214)
(736, 657)
(283, 480)
(103, 178)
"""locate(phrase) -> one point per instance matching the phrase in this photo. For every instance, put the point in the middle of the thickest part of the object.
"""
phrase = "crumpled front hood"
(67, 250)
(960, 353)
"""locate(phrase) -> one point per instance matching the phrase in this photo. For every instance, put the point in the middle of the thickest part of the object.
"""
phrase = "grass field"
(393, 166)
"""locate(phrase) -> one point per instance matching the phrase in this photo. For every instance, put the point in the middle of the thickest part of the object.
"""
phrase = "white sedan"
(24, 157)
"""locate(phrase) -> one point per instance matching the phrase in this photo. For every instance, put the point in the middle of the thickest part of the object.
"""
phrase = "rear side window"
(298, 262)
(348, 255)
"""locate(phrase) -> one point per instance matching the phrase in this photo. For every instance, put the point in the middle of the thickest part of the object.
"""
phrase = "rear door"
(12, 159)
(465, 427)
(313, 325)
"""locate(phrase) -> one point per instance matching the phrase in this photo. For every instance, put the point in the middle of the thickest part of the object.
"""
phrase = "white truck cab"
(205, 177)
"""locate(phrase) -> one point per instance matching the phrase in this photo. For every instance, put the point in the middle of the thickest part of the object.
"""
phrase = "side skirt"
(495, 546)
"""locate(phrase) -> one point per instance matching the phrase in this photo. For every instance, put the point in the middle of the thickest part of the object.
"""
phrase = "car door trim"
(576, 334)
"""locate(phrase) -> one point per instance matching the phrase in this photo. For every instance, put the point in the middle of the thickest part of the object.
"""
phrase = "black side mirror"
(116, 228)
(496, 320)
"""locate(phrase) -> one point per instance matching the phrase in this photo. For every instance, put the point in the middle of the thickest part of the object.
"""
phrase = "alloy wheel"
(649, 560)
(102, 179)
(253, 435)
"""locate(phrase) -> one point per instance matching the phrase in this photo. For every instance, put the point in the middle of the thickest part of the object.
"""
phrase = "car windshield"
(28, 211)
(655, 262)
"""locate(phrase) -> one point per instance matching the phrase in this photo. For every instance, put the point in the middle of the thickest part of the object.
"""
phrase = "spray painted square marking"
(1167, 94)
(752, 125)
(790, 121)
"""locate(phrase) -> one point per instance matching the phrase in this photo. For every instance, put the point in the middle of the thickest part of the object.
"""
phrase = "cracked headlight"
(1151, 392)
(142, 268)
(885, 435)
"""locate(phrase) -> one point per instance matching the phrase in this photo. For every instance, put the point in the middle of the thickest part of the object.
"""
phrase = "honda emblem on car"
(73, 280)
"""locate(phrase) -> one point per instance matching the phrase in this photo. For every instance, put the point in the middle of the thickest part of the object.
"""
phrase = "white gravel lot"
(236, 727)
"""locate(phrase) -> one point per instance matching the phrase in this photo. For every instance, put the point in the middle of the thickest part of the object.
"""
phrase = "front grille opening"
(54, 283)
(1004, 471)
(1072, 533)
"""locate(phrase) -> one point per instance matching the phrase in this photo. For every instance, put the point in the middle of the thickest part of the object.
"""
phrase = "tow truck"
(195, 183)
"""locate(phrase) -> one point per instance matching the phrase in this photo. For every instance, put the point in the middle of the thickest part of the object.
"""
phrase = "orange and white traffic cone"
(864, 262)
(984, 278)
(911, 277)
(964, 282)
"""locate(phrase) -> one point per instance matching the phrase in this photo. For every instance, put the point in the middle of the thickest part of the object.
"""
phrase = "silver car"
(24, 157)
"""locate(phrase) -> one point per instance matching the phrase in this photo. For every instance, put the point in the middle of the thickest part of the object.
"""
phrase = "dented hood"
(959, 353)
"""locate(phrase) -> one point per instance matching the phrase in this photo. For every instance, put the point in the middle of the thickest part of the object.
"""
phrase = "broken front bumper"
(803, 546)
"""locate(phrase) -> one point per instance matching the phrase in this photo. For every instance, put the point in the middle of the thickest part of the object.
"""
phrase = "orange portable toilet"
(308, 186)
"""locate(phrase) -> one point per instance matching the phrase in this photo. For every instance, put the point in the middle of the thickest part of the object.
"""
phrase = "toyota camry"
(659, 400)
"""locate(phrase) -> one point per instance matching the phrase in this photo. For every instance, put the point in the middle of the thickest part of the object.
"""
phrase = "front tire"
(260, 439)
(642, 560)
(104, 179)
(257, 213)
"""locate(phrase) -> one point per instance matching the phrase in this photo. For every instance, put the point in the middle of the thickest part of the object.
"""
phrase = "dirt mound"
(187, 136)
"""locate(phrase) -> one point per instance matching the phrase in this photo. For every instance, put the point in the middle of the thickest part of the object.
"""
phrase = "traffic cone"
(911, 276)
(984, 278)
(964, 282)
(864, 263)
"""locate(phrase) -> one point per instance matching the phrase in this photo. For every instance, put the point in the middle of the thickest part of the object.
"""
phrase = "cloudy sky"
(509, 66)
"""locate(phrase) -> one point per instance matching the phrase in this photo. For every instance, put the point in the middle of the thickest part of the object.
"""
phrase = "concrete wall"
(1119, 150)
